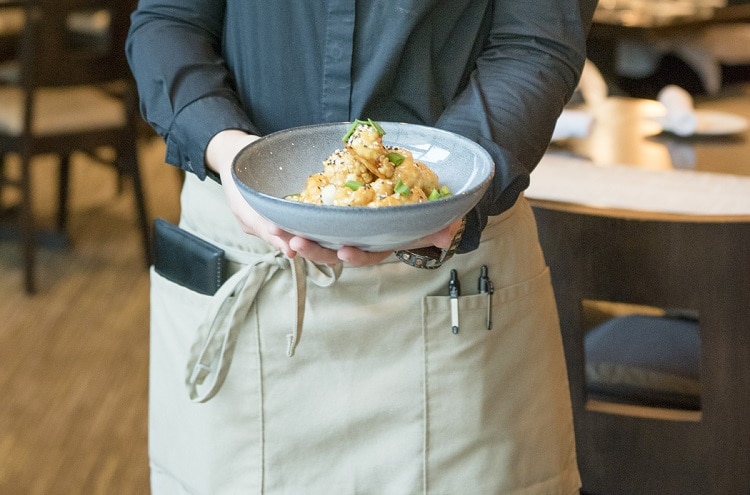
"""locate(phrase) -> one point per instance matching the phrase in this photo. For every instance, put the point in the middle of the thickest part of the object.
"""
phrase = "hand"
(220, 154)
(441, 239)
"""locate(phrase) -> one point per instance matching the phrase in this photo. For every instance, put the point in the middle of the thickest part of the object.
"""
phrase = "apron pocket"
(490, 394)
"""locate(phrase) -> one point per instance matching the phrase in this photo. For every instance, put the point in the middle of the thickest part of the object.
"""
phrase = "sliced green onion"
(439, 193)
(376, 126)
(395, 158)
(351, 130)
(358, 122)
(353, 184)
(402, 188)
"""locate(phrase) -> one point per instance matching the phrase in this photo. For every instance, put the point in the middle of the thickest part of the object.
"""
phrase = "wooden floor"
(74, 357)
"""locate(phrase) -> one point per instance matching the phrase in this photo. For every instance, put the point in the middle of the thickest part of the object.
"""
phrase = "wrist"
(222, 149)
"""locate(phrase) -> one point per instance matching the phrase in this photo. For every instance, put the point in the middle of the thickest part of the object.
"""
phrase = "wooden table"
(628, 167)
(624, 133)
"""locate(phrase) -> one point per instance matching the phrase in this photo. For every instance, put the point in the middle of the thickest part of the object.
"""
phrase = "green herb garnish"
(395, 158)
(377, 127)
(439, 193)
(358, 122)
(353, 184)
(402, 188)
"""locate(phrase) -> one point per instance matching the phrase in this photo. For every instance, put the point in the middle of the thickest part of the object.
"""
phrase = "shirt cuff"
(194, 127)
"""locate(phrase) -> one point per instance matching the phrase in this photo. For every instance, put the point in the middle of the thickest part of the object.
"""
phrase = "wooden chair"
(11, 25)
(698, 265)
(74, 93)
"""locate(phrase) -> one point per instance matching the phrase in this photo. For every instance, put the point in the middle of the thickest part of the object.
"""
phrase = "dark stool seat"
(643, 359)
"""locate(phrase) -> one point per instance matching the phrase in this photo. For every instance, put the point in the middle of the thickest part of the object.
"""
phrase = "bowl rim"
(335, 208)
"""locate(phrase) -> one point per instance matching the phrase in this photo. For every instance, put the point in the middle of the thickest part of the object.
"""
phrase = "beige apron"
(301, 379)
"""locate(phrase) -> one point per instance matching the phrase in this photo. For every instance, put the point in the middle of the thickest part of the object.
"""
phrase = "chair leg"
(120, 182)
(28, 232)
(63, 193)
(4, 209)
(3, 180)
(129, 154)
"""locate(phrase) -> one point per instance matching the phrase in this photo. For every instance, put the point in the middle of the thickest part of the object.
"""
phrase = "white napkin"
(680, 118)
(572, 123)
(578, 122)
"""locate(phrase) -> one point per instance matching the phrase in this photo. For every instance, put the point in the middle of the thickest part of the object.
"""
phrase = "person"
(314, 370)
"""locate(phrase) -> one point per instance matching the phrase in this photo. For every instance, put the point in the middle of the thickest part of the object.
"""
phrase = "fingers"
(357, 257)
(313, 251)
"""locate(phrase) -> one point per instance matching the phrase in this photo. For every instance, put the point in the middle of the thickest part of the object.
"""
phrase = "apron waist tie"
(215, 339)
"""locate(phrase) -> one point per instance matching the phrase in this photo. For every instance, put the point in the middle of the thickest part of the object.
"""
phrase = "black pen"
(454, 290)
(486, 287)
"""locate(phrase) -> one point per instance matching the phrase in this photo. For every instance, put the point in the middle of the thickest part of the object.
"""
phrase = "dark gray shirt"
(498, 72)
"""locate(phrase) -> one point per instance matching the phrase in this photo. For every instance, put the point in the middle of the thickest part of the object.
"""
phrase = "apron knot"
(212, 349)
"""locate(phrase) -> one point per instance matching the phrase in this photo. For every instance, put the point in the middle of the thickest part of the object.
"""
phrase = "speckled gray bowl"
(278, 165)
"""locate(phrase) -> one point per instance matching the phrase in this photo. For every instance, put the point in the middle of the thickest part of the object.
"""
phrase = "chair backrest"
(55, 50)
(701, 266)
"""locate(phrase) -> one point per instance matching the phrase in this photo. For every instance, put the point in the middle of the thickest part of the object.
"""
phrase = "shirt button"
(335, 52)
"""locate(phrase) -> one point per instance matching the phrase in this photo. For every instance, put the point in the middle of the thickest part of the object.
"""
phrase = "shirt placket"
(337, 69)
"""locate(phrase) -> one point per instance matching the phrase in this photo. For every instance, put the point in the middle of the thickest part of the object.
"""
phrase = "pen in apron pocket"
(486, 287)
(454, 290)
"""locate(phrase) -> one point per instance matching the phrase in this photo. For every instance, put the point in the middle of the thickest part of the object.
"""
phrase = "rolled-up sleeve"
(185, 94)
(522, 80)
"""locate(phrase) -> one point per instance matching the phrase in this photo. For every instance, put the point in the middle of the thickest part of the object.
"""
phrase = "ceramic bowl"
(278, 164)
